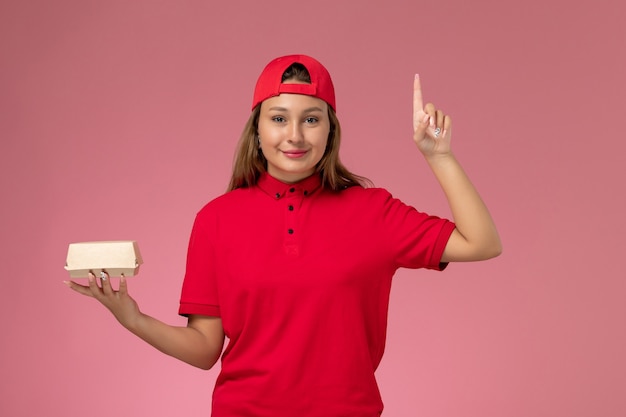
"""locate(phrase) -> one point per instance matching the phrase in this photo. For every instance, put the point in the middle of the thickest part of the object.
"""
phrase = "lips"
(295, 153)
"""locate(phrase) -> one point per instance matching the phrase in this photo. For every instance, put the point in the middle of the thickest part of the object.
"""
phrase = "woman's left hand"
(431, 127)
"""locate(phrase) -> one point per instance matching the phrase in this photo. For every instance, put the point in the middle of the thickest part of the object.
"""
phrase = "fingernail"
(66, 283)
(91, 278)
(417, 76)
(425, 119)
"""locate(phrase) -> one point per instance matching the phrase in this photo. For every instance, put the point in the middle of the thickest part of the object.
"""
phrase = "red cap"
(269, 83)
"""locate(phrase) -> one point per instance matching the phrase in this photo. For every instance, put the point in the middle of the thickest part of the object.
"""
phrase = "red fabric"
(306, 310)
(270, 84)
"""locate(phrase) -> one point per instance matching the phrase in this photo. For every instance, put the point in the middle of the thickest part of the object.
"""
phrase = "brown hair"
(249, 162)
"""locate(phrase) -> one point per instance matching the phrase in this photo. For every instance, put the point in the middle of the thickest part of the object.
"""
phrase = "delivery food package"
(116, 258)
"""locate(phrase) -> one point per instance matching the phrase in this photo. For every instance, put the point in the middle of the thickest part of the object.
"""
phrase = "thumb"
(123, 289)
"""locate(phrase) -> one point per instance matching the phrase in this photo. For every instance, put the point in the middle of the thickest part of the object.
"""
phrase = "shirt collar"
(277, 189)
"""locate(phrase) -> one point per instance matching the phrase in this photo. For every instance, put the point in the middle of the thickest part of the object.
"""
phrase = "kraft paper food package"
(116, 258)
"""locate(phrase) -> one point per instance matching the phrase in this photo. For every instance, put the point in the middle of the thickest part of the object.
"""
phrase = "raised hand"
(431, 127)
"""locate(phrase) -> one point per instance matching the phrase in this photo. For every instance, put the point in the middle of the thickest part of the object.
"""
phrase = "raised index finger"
(418, 103)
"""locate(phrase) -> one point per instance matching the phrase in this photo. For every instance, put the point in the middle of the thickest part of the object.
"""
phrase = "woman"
(294, 263)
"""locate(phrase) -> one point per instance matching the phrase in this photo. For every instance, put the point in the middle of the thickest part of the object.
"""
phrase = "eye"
(278, 119)
(311, 120)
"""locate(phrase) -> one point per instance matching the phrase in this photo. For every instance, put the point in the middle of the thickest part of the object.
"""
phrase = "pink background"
(119, 120)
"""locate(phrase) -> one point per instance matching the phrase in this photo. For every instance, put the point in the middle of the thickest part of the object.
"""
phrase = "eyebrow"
(308, 110)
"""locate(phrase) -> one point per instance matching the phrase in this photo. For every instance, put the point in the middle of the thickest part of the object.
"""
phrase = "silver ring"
(437, 132)
(103, 276)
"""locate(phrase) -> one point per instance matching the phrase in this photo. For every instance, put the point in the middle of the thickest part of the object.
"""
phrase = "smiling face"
(293, 131)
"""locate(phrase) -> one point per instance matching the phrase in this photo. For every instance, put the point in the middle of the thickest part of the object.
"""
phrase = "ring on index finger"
(103, 276)
(437, 132)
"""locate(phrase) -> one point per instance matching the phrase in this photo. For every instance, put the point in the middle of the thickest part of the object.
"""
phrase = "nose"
(295, 133)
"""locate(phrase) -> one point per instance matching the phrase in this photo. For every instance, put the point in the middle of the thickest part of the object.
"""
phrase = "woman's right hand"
(122, 305)
(199, 344)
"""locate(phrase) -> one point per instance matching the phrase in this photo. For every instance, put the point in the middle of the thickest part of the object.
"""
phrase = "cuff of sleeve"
(186, 309)
(440, 246)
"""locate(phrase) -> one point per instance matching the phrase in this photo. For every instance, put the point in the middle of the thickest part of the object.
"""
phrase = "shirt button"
(290, 231)
(306, 192)
(277, 195)
(291, 190)
(290, 208)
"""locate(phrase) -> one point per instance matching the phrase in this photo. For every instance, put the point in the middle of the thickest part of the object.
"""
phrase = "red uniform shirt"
(301, 277)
